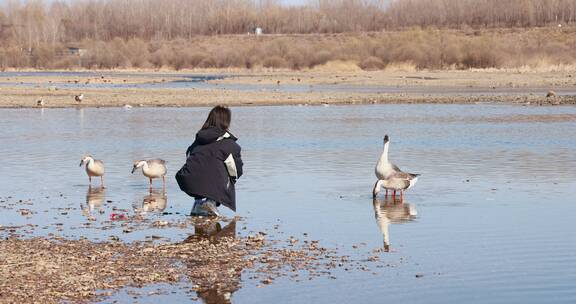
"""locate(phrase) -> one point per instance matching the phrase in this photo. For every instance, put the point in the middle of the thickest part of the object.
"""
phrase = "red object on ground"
(117, 216)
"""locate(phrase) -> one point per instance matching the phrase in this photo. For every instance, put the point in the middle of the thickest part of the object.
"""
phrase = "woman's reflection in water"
(95, 198)
(387, 211)
(226, 278)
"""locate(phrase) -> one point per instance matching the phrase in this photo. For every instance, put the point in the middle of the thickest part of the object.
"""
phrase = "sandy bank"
(269, 88)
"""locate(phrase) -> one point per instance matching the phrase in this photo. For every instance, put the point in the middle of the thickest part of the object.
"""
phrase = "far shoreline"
(144, 88)
(459, 100)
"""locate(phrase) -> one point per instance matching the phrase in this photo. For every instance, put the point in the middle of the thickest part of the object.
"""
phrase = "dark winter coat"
(212, 166)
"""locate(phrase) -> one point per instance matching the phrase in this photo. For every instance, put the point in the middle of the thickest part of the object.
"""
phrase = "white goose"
(94, 167)
(398, 184)
(390, 176)
(152, 168)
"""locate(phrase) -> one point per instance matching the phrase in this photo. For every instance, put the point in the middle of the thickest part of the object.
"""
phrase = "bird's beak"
(133, 169)
(81, 162)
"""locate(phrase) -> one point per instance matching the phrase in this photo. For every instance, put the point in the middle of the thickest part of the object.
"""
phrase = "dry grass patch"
(408, 50)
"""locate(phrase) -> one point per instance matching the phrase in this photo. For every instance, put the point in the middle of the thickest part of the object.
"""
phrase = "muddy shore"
(215, 258)
(207, 265)
(442, 87)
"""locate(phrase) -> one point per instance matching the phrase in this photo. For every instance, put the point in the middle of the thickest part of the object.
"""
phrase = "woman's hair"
(219, 117)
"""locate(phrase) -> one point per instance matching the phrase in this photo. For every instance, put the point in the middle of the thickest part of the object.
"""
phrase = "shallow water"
(197, 81)
(490, 220)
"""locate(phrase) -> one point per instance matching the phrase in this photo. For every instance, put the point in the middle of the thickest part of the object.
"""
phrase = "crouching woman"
(212, 166)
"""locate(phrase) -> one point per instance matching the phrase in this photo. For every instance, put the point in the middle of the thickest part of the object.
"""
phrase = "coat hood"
(210, 135)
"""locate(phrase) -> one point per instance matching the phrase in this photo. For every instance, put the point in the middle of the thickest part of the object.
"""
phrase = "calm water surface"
(490, 221)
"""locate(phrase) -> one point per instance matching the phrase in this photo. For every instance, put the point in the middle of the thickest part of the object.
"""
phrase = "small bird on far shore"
(40, 102)
(79, 98)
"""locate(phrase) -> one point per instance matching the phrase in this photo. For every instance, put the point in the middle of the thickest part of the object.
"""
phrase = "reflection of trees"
(217, 277)
(388, 211)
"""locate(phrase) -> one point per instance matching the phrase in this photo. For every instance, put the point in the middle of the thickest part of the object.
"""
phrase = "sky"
(289, 2)
(294, 2)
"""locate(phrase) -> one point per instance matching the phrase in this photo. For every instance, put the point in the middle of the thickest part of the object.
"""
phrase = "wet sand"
(348, 87)
(55, 268)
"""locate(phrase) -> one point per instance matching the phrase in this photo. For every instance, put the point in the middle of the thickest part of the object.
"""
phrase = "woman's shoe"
(209, 207)
(197, 210)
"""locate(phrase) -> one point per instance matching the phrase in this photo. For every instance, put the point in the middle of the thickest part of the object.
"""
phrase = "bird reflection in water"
(95, 198)
(153, 202)
(389, 211)
(226, 278)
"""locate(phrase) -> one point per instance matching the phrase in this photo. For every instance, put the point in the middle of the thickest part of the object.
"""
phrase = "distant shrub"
(161, 57)
(42, 56)
(297, 59)
(321, 57)
(66, 63)
(228, 59)
(252, 62)
(372, 63)
(14, 57)
(196, 59)
(136, 51)
(275, 62)
(480, 55)
(208, 62)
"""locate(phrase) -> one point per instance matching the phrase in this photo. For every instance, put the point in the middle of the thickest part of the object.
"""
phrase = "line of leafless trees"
(480, 13)
(36, 21)
(192, 33)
